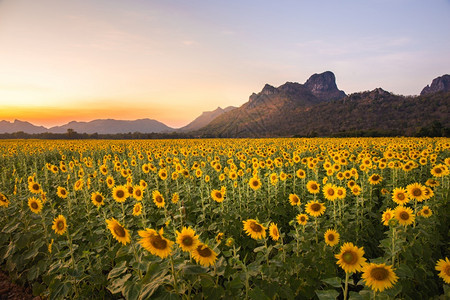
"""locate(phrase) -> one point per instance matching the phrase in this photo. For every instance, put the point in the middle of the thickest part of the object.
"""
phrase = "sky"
(63, 60)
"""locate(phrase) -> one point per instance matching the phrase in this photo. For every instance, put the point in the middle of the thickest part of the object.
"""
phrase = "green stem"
(347, 275)
(174, 275)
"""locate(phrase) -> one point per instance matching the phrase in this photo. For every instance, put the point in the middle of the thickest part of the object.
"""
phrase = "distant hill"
(205, 118)
(18, 126)
(110, 126)
(321, 109)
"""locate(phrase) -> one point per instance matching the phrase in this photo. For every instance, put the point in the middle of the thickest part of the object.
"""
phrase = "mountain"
(439, 84)
(17, 126)
(205, 118)
(110, 126)
(319, 108)
(267, 111)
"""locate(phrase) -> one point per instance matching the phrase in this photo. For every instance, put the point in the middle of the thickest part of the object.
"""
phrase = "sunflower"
(313, 187)
(274, 232)
(341, 192)
(3, 200)
(138, 192)
(302, 219)
(387, 215)
(50, 245)
(294, 200)
(158, 199)
(118, 231)
(35, 205)
(155, 243)
(400, 196)
(254, 229)
(356, 190)
(331, 237)
(426, 212)
(162, 174)
(175, 198)
(315, 208)
(120, 193)
(300, 173)
(61, 192)
(379, 276)
(78, 184)
(444, 267)
(204, 255)
(439, 170)
(329, 192)
(217, 195)
(97, 199)
(187, 240)
(350, 258)
(432, 183)
(428, 193)
(110, 182)
(137, 209)
(254, 183)
(416, 191)
(34, 187)
(375, 179)
(404, 215)
(59, 225)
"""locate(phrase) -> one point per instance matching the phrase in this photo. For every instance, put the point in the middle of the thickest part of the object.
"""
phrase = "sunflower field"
(360, 218)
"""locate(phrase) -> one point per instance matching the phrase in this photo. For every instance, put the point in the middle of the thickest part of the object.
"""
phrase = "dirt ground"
(11, 291)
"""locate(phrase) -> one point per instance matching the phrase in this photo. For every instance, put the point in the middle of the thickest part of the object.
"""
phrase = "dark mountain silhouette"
(439, 84)
(319, 108)
(205, 118)
(17, 126)
(110, 126)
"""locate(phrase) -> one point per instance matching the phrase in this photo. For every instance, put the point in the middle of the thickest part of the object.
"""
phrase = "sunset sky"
(81, 60)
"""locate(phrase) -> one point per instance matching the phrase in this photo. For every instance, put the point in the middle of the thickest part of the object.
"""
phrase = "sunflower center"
(63, 192)
(349, 257)
(158, 199)
(447, 270)
(35, 187)
(158, 242)
(187, 241)
(255, 227)
(417, 192)
(218, 195)
(138, 193)
(130, 190)
(340, 193)
(401, 196)
(330, 192)
(331, 237)
(205, 252)
(34, 205)
(98, 198)
(404, 215)
(426, 211)
(316, 207)
(302, 219)
(314, 186)
(60, 225)
(375, 177)
(255, 183)
(120, 194)
(438, 170)
(119, 231)
(275, 231)
(379, 273)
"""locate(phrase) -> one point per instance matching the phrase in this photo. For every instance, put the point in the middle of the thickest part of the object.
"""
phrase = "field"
(358, 218)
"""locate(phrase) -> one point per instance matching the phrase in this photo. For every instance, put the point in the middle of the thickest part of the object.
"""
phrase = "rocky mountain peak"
(439, 84)
(324, 87)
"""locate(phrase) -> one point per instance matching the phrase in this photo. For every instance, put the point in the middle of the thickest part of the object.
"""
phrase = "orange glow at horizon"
(52, 116)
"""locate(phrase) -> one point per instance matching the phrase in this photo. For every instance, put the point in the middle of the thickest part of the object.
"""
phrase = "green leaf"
(355, 296)
(119, 269)
(117, 285)
(131, 290)
(333, 281)
(259, 249)
(194, 269)
(327, 295)
(257, 294)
